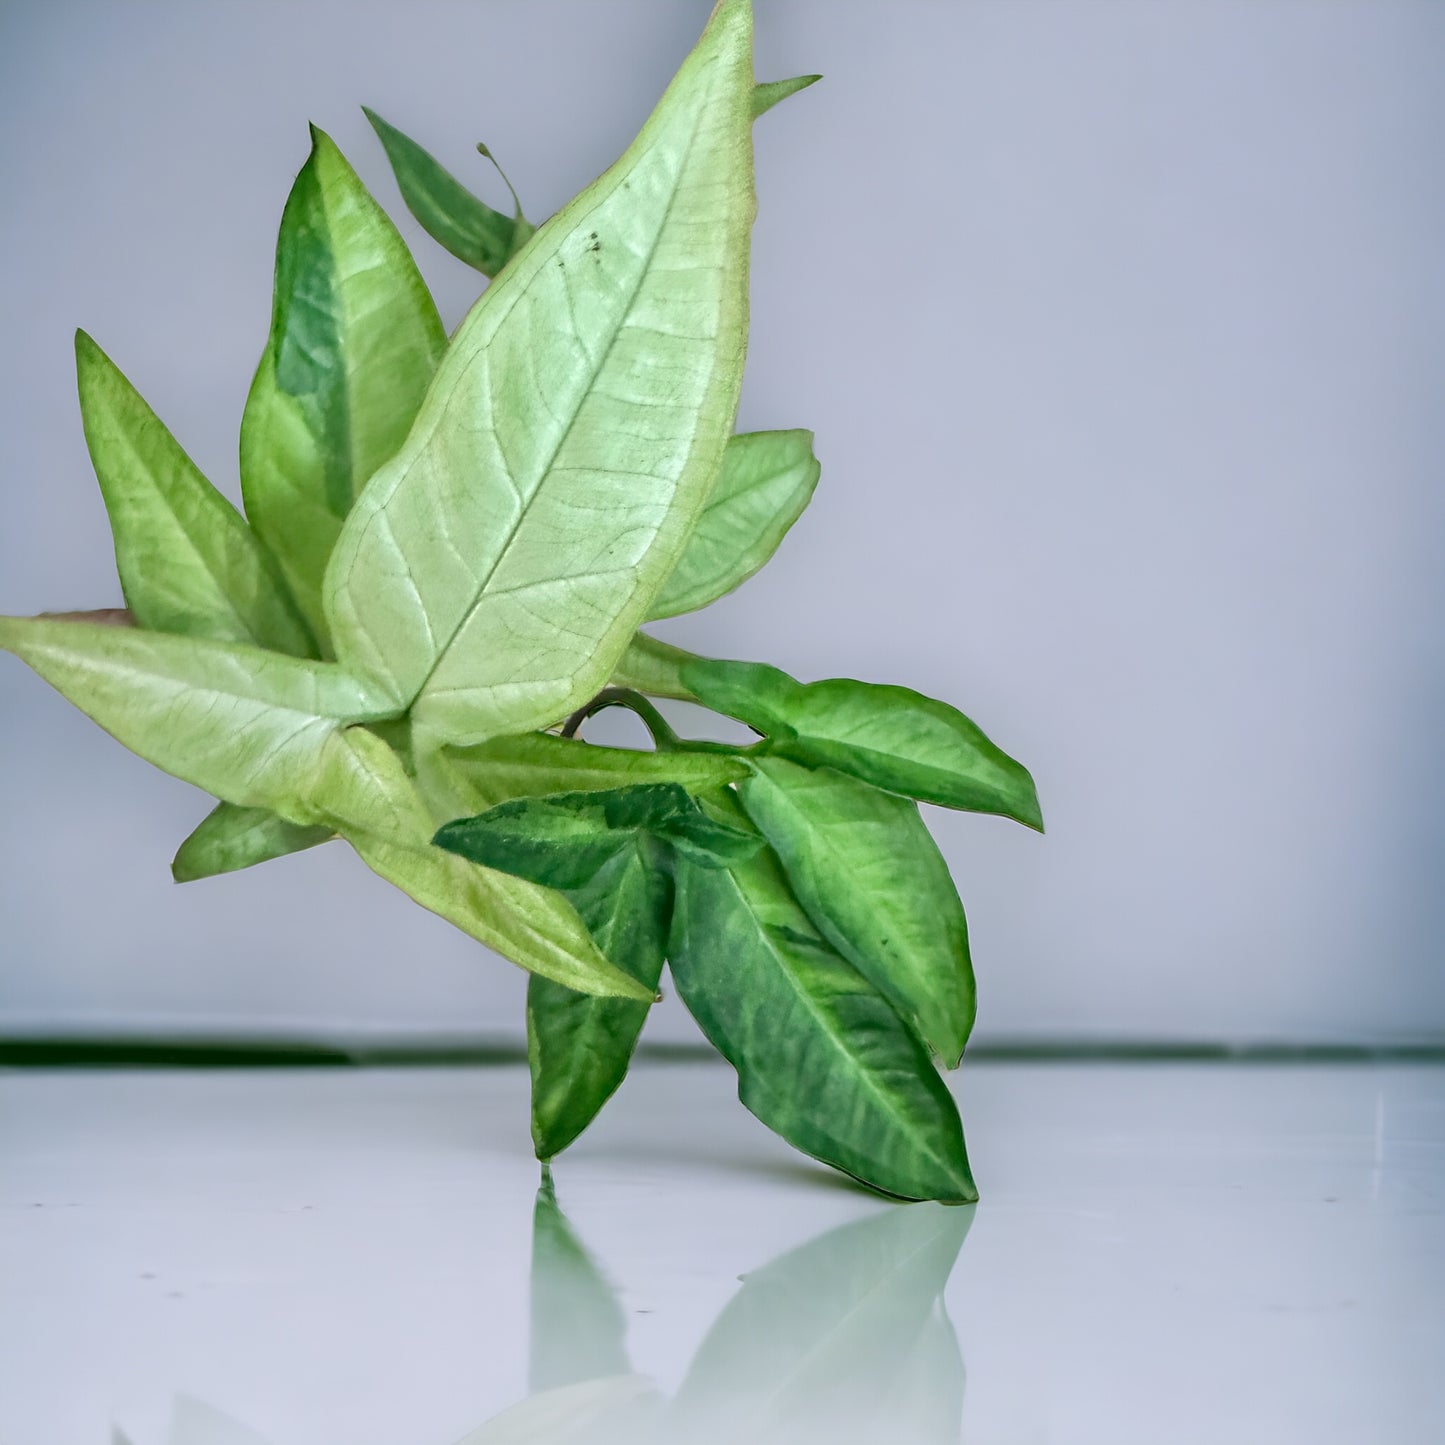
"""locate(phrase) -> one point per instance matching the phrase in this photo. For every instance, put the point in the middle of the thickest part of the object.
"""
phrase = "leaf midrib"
(596, 370)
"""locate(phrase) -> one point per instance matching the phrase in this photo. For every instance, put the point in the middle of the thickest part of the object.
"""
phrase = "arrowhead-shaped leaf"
(188, 561)
(767, 478)
(446, 210)
(863, 865)
(355, 339)
(892, 737)
(244, 724)
(362, 790)
(821, 1058)
(229, 838)
(492, 574)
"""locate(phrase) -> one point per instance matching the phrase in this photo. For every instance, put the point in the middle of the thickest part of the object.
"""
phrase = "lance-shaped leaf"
(492, 574)
(188, 562)
(446, 210)
(361, 789)
(579, 1048)
(812, 1344)
(578, 1330)
(355, 339)
(246, 725)
(767, 478)
(822, 1059)
(767, 93)
(864, 866)
(533, 765)
(654, 667)
(892, 737)
(229, 838)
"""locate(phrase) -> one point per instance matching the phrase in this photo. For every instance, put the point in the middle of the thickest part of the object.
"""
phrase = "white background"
(1120, 326)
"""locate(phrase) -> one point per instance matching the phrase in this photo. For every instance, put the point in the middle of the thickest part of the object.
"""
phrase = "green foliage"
(447, 550)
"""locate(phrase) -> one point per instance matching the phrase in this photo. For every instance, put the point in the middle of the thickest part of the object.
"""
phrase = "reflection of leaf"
(615, 1411)
(578, 1328)
(815, 1340)
(924, 1401)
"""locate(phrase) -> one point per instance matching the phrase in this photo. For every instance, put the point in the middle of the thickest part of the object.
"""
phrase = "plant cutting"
(447, 551)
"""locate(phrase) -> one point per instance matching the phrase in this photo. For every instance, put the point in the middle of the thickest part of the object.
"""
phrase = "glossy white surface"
(1173, 1254)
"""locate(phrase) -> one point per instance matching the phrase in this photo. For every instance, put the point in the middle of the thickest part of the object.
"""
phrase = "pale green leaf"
(355, 339)
(821, 1058)
(188, 561)
(892, 737)
(863, 865)
(362, 790)
(491, 575)
(655, 668)
(767, 93)
(446, 210)
(613, 1410)
(229, 838)
(533, 765)
(767, 478)
(246, 725)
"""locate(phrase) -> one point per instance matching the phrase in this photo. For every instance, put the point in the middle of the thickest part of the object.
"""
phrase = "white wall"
(1120, 326)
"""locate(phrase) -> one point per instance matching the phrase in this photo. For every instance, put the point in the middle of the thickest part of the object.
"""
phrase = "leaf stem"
(663, 737)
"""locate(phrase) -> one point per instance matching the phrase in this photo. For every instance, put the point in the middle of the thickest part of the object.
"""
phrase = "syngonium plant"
(447, 550)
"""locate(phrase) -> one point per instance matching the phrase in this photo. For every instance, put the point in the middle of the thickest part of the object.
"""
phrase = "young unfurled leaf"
(821, 1058)
(362, 790)
(767, 93)
(812, 1344)
(355, 339)
(767, 478)
(536, 764)
(446, 210)
(244, 724)
(188, 561)
(863, 865)
(229, 838)
(892, 737)
(492, 574)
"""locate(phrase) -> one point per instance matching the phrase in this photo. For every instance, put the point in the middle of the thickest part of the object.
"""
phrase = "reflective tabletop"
(1163, 1253)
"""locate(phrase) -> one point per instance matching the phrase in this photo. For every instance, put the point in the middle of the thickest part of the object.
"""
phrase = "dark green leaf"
(562, 840)
(767, 478)
(822, 1059)
(446, 210)
(578, 1046)
(892, 737)
(188, 561)
(229, 838)
(768, 93)
(862, 863)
